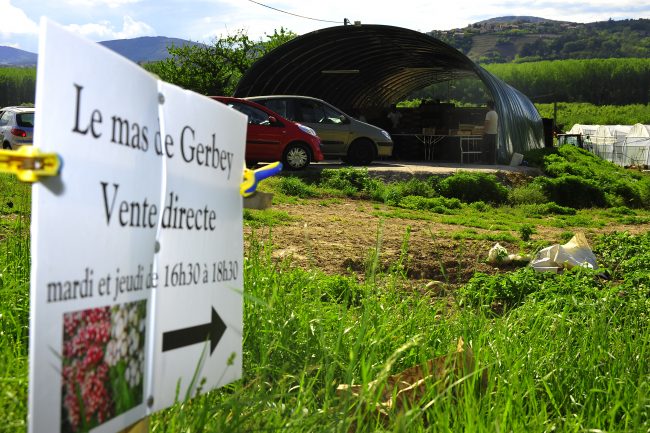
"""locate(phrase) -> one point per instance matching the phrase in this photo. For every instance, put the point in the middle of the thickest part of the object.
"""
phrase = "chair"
(470, 148)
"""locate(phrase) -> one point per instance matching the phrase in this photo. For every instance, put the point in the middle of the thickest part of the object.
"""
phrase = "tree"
(216, 69)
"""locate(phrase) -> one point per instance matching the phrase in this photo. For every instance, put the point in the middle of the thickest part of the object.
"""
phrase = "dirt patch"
(342, 237)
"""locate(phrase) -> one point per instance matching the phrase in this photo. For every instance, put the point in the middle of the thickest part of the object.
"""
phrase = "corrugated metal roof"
(364, 66)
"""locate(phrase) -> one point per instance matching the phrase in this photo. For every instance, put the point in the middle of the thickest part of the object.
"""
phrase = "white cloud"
(132, 29)
(421, 15)
(104, 30)
(15, 21)
(99, 3)
(99, 30)
(303, 16)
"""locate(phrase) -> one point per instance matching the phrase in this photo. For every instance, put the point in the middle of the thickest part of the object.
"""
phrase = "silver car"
(342, 136)
(16, 126)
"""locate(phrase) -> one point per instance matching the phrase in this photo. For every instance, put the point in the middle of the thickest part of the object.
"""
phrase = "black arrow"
(195, 334)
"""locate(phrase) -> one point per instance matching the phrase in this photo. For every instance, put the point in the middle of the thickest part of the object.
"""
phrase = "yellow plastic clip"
(28, 163)
(253, 177)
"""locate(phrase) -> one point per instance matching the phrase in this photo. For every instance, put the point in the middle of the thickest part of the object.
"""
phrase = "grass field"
(567, 353)
(14, 301)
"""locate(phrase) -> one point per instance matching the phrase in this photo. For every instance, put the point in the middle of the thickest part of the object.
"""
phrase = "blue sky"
(203, 20)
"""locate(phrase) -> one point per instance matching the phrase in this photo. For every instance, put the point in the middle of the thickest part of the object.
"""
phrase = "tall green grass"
(568, 114)
(17, 86)
(14, 301)
(563, 352)
(570, 355)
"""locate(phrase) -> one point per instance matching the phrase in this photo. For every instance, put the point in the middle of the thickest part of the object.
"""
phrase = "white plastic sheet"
(576, 252)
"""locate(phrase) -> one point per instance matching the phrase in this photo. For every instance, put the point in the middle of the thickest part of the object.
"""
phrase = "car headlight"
(306, 129)
(386, 134)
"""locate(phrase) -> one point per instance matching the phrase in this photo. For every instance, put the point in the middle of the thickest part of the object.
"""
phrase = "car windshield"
(26, 120)
(255, 116)
(314, 112)
(280, 106)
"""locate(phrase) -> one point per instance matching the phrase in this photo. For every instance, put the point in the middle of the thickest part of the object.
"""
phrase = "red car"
(271, 137)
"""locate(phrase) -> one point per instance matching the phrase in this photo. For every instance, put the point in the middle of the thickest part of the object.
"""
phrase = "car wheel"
(6, 145)
(362, 152)
(296, 157)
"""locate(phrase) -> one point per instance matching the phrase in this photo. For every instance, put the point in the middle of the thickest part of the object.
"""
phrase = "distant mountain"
(518, 19)
(525, 38)
(139, 50)
(14, 57)
(145, 49)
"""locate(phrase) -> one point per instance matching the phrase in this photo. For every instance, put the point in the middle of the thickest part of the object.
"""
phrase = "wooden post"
(141, 426)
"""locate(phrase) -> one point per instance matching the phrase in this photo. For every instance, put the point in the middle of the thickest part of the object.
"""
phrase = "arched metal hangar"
(362, 67)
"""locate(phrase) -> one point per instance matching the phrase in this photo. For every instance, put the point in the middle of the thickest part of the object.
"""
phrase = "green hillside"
(524, 39)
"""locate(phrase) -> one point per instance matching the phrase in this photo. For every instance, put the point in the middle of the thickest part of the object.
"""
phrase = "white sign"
(137, 247)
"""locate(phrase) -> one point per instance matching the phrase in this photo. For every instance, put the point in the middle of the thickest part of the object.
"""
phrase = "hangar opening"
(364, 69)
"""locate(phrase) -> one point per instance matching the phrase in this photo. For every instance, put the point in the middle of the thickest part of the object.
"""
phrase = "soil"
(339, 237)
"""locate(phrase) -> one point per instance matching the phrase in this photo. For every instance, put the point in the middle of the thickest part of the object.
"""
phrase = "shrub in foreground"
(535, 157)
(572, 191)
(347, 178)
(435, 204)
(294, 186)
(396, 191)
(470, 187)
(527, 194)
(588, 172)
(550, 208)
(621, 255)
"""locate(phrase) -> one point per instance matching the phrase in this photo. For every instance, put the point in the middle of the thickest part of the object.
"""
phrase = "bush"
(350, 179)
(509, 289)
(527, 194)
(494, 292)
(535, 157)
(393, 193)
(480, 206)
(556, 166)
(294, 186)
(342, 290)
(644, 191)
(572, 191)
(632, 192)
(417, 187)
(526, 231)
(625, 255)
(551, 208)
(624, 252)
(621, 210)
(472, 187)
(377, 191)
(435, 204)
(618, 186)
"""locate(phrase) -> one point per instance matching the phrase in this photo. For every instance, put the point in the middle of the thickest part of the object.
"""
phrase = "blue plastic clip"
(253, 177)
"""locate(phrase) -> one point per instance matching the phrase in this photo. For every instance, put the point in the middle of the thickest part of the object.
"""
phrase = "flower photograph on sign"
(103, 364)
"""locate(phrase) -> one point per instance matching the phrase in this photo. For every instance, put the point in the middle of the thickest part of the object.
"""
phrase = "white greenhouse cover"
(639, 130)
(586, 130)
(624, 145)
